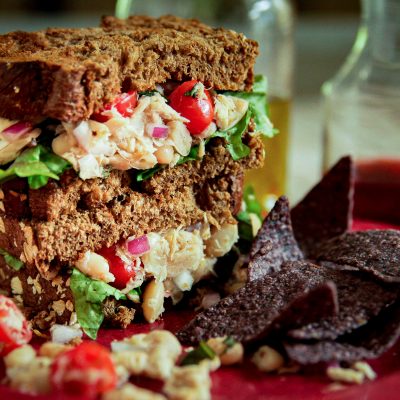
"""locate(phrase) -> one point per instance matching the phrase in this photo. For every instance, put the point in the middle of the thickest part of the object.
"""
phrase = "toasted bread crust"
(74, 216)
(68, 74)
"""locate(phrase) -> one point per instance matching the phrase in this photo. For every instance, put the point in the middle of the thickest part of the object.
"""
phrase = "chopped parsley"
(11, 261)
(202, 352)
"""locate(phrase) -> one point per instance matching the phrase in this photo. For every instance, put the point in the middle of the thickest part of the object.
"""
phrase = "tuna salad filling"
(138, 131)
(166, 264)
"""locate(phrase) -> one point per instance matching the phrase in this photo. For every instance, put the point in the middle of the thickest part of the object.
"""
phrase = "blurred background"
(316, 37)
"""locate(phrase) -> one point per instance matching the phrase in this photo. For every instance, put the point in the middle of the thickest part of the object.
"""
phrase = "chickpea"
(228, 355)
(23, 355)
(165, 154)
(62, 144)
(267, 359)
(52, 350)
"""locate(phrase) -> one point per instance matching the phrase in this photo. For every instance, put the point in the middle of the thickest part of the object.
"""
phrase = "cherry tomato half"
(14, 329)
(122, 271)
(85, 370)
(198, 110)
(124, 104)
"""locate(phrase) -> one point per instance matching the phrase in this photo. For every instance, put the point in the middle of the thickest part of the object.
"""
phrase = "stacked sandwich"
(123, 150)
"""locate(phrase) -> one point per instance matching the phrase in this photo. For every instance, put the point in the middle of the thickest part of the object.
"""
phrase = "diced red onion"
(138, 246)
(17, 129)
(160, 132)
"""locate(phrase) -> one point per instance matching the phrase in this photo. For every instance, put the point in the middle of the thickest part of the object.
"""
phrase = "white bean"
(165, 154)
(153, 301)
(21, 356)
(267, 359)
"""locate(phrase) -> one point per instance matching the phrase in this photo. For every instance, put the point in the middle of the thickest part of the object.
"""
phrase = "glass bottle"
(271, 24)
(362, 111)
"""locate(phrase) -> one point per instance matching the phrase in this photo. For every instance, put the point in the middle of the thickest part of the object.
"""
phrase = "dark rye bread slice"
(278, 301)
(326, 211)
(360, 299)
(74, 216)
(369, 341)
(274, 244)
(216, 172)
(376, 252)
(68, 74)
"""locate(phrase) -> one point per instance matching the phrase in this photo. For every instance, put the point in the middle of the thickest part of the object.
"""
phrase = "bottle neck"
(381, 22)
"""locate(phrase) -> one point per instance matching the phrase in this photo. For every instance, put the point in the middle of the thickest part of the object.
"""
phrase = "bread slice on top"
(68, 74)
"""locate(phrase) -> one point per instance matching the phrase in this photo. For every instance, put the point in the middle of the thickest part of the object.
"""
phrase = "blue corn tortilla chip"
(367, 342)
(326, 211)
(375, 252)
(274, 243)
(360, 299)
(279, 301)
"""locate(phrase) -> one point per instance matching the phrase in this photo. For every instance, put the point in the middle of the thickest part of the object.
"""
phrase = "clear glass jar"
(362, 111)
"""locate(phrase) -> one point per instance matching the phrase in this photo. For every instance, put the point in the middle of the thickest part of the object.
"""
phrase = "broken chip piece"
(360, 298)
(369, 341)
(376, 252)
(282, 300)
(275, 242)
(326, 211)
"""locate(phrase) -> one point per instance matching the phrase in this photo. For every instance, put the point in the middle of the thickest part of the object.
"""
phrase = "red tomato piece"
(122, 271)
(198, 110)
(14, 329)
(124, 104)
(85, 370)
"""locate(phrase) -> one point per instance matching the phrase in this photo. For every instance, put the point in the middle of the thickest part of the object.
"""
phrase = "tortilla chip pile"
(324, 293)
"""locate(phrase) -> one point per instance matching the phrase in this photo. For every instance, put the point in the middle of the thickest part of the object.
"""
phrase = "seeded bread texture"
(74, 216)
(49, 301)
(68, 74)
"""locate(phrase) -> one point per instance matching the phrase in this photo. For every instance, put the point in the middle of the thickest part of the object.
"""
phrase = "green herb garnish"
(148, 93)
(194, 91)
(200, 353)
(11, 261)
(229, 342)
(251, 206)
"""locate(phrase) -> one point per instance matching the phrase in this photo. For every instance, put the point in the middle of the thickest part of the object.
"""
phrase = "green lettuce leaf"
(38, 164)
(233, 137)
(148, 173)
(192, 156)
(89, 295)
(11, 261)
(258, 105)
(251, 206)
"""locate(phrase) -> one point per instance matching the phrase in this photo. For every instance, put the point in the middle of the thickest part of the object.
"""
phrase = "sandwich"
(122, 150)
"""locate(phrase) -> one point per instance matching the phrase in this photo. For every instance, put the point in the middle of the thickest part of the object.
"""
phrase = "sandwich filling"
(139, 131)
(142, 132)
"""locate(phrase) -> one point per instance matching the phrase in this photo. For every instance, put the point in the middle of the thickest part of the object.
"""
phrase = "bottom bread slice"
(174, 261)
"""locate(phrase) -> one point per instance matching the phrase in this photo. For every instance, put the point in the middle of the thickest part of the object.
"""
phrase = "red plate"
(246, 382)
